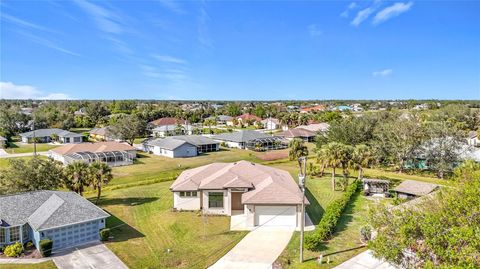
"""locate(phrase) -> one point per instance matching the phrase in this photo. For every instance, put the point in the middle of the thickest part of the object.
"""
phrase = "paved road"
(365, 260)
(91, 256)
(257, 250)
(4, 154)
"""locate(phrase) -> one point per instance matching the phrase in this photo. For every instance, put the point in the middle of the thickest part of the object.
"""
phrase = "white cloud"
(23, 23)
(314, 30)
(47, 43)
(203, 33)
(362, 15)
(105, 20)
(172, 5)
(346, 12)
(9, 90)
(391, 11)
(169, 59)
(382, 73)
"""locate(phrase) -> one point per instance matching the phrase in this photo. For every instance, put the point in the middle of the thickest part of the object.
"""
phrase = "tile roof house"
(66, 218)
(244, 119)
(261, 195)
(101, 134)
(413, 188)
(303, 134)
(312, 109)
(45, 136)
(315, 127)
(181, 146)
(167, 121)
(174, 129)
(271, 123)
(110, 152)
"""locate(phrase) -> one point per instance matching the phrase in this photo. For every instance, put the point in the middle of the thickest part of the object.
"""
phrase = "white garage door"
(276, 216)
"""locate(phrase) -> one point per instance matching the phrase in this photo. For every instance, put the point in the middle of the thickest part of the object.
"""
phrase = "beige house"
(256, 195)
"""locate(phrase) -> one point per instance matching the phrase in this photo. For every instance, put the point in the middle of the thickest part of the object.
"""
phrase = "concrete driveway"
(257, 250)
(90, 256)
(365, 260)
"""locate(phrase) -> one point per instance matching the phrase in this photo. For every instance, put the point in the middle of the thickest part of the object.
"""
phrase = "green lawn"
(43, 265)
(146, 229)
(18, 147)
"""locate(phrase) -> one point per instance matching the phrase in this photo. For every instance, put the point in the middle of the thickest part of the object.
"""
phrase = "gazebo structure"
(112, 158)
(375, 187)
(267, 143)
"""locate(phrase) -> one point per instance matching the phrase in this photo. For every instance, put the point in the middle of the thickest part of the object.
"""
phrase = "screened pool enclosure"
(267, 143)
(112, 158)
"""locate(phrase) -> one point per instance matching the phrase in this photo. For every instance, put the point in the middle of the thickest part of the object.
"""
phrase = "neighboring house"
(245, 119)
(375, 187)
(257, 195)
(271, 124)
(110, 152)
(66, 218)
(80, 112)
(343, 108)
(101, 134)
(45, 136)
(411, 189)
(239, 139)
(224, 119)
(316, 127)
(181, 146)
(472, 139)
(175, 129)
(312, 109)
(167, 121)
(3, 142)
(303, 134)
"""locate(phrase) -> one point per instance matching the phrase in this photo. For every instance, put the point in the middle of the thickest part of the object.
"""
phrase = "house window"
(215, 199)
(14, 234)
(2, 235)
(188, 194)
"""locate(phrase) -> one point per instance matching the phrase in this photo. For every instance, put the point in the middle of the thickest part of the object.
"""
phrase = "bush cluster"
(46, 246)
(104, 234)
(329, 219)
(13, 250)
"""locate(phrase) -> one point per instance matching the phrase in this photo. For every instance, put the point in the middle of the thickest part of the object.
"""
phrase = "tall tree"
(29, 175)
(101, 174)
(77, 176)
(336, 154)
(361, 157)
(128, 127)
(297, 149)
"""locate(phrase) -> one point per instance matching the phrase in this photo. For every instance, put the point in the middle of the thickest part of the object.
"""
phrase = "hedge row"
(329, 219)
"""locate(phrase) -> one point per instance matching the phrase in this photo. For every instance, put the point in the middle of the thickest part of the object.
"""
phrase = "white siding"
(183, 151)
(276, 216)
(186, 203)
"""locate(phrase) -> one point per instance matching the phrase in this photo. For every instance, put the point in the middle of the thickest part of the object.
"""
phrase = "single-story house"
(181, 146)
(45, 136)
(271, 123)
(472, 139)
(174, 129)
(66, 218)
(312, 109)
(224, 119)
(316, 127)
(239, 139)
(375, 186)
(303, 134)
(109, 152)
(101, 134)
(246, 118)
(3, 142)
(167, 121)
(257, 194)
(412, 188)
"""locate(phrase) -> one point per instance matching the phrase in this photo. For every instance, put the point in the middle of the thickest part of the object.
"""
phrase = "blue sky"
(240, 50)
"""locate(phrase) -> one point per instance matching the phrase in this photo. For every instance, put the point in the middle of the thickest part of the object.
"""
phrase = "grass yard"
(146, 229)
(43, 265)
(17, 147)
(4, 162)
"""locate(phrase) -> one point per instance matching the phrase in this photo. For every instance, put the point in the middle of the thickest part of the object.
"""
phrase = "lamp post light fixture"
(302, 163)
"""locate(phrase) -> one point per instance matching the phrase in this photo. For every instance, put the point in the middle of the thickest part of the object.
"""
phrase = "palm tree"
(322, 158)
(100, 174)
(361, 157)
(297, 149)
(334, 151)
(77, 176)
(346, 157)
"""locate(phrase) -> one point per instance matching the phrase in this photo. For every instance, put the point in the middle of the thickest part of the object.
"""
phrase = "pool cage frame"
(267, 143)
(112, 158)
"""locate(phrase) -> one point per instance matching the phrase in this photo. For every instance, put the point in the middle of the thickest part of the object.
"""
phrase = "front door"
(237, 201)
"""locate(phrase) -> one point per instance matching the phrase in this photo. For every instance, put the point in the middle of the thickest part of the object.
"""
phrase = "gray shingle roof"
(167, 143)
(49, 132)
(197, 140)
(47, 209)
(241, 136)
(415, 187)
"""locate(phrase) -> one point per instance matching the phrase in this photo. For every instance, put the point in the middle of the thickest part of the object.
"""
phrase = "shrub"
(13, 250)
(329, 219)
(46, 246)
(104, 234)
(29, 244)
(366, 233)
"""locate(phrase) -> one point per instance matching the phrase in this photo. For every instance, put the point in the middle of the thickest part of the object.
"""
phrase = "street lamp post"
(302, 163)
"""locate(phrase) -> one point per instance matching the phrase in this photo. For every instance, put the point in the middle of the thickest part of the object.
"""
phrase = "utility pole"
(302, 163)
